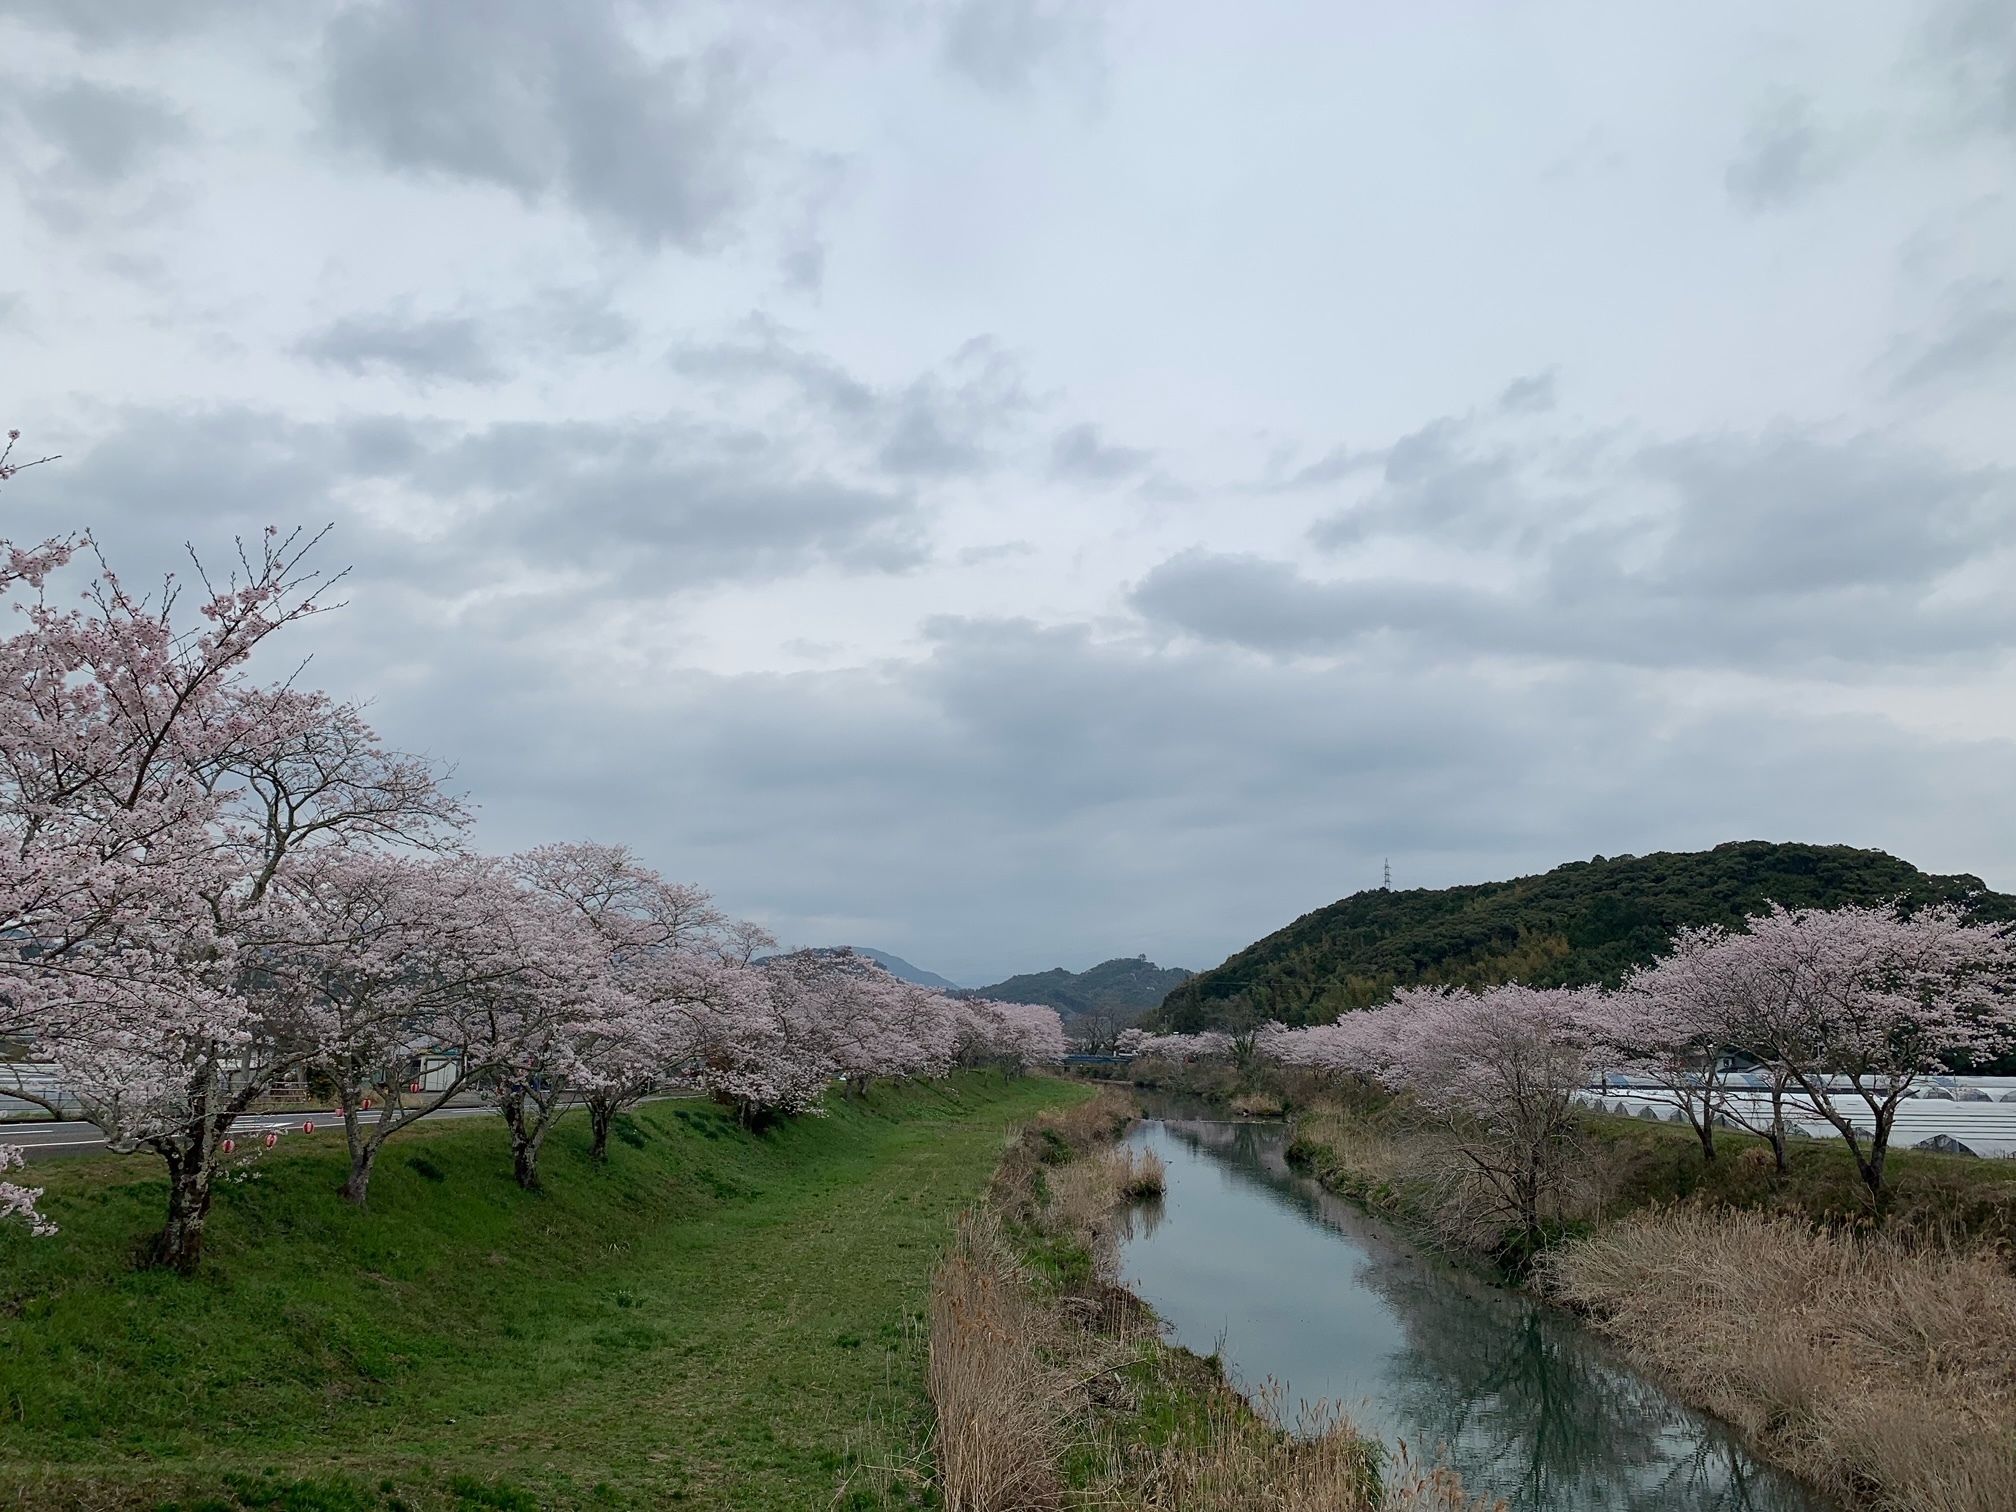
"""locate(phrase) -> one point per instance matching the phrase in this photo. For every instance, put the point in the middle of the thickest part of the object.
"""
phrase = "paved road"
(45, 1139)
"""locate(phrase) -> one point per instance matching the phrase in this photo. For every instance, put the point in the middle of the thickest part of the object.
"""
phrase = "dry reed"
(1241, 1462)
(1882, 1370)
(1002, 1406)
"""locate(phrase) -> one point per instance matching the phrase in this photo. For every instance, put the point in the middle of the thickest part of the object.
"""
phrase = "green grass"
(714, 1319)
(1639, 1163)
(1948, 1195)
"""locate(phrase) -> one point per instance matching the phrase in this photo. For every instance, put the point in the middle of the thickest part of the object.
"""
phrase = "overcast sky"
(1016, 483)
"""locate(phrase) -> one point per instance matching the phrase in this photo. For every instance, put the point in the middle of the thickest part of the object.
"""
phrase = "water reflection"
(1302, 1287)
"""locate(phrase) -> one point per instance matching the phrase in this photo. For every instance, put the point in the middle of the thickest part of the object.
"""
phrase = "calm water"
(1290, 1283)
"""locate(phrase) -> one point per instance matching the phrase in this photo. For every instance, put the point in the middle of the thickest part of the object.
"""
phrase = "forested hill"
(1588, 921)
(1121, 989)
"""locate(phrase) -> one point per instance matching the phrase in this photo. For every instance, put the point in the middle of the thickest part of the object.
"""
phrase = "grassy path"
(715, 1319)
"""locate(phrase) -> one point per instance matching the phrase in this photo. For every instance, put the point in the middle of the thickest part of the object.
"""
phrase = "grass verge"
(715, 1318)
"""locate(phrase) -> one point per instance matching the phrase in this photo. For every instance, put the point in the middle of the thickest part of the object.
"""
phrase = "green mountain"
(1120, 989)
(1588, 921)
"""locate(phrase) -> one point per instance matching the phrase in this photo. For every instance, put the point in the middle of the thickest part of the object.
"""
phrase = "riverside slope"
(715, 1319)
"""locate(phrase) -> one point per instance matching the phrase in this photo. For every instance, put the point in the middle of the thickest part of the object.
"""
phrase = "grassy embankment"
(714, 1319)
(1054, 1389)
(1871, 1357)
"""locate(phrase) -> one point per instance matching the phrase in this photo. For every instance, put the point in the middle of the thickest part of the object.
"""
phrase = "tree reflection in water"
(1523, 1402)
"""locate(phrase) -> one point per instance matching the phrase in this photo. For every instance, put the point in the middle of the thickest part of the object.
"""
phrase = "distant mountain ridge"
(1121, 989)
(1588, 921)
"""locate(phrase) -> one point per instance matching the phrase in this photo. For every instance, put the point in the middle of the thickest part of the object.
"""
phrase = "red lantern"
(308, 1126)
(271, 1139)
(367, 1105)
(413, 1086)
(228, 1146)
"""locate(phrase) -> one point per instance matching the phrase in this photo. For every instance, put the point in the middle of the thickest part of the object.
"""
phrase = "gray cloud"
(1976, 335)
(1082, 454)
(1335, 465)
(1107, 796)
(761, 349)
(1004, 46)
(669, 502)
(1761, 552)
(466, 348)
(1531, 395)
(422, 349)
(1782, 157)
(125, 21)
(546, 100)
(642, 508)
(945, 422)
(1971, 48)
(103, 134)
(1434, 480)
(574, 323)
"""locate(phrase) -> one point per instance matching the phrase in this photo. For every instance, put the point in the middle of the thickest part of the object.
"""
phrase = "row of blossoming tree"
(213, 888)
(1838, 1015)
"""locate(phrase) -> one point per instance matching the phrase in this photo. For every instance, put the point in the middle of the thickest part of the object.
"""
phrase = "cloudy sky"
(1017, 482)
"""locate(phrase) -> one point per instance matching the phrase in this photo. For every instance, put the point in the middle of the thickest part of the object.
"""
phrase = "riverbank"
(1871, 1359)
(1054, 1387)
(715, 1319)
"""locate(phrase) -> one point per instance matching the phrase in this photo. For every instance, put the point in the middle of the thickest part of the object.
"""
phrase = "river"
(1291, 1284)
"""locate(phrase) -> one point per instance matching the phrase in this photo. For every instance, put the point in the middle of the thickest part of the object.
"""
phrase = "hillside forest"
(1585, 923)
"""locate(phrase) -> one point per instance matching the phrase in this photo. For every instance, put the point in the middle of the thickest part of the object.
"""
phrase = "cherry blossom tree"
(1675, 1024)
(880, 1025)
(1686, 1022)
(124, 882)
(1501, 1069)
(767, 1049)
(1357, 1044)
(668, 958)
(1014, 1036)
(1858, 1005)
(149, 797)
(1206, 1045)
(388, 959)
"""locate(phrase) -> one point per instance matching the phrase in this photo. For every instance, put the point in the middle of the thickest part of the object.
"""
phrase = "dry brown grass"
(1259, 1104)
(1139, 1174)
(1240, 1462)
(1883, 1370)
(1003, 1406)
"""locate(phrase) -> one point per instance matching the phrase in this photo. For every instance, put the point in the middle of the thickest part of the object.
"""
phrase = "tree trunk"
(357, 1187)
(179, 1247)
(601, 1114)
(527, 1123)
(1872, 1168)
(1778, 1151)
(525, 1161)
(1704, 1129)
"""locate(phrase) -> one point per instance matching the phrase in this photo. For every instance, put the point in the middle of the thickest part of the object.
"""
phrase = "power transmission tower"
(1386, 885)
